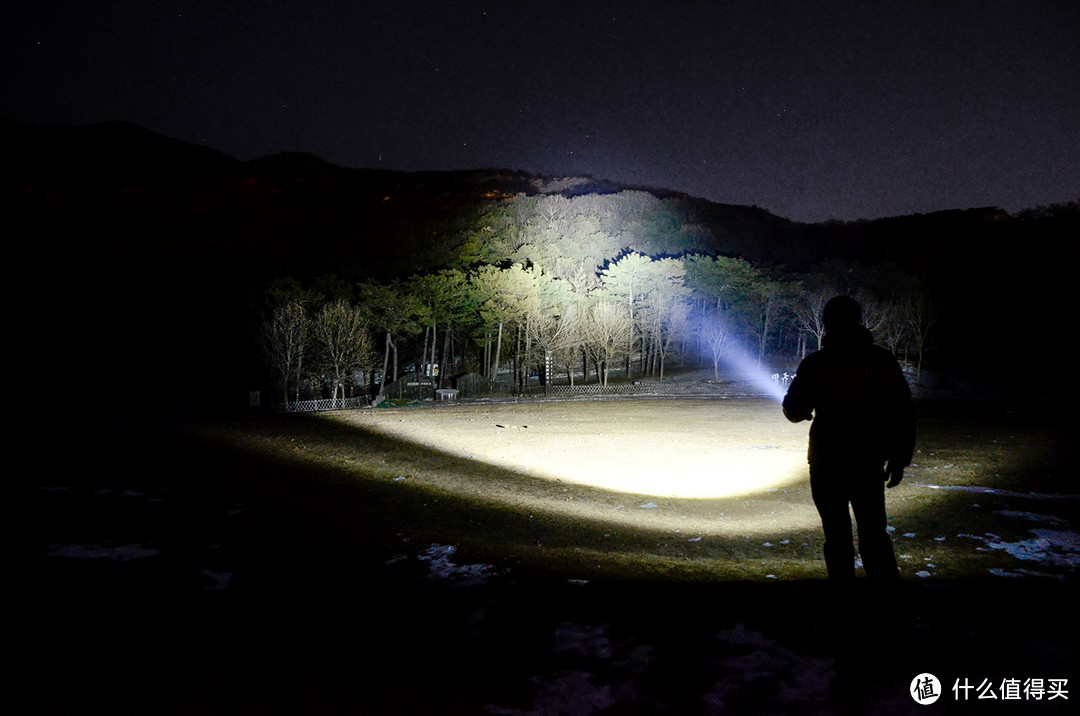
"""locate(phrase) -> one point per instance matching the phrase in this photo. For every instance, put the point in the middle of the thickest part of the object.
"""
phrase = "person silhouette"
(862, 435)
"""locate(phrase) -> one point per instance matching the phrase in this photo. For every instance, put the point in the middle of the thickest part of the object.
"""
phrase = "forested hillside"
(146, 269)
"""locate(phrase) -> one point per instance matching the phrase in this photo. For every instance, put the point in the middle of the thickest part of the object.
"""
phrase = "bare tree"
(919, 315)
(663, 318)
(665, 309)
(557, 332)
(552, 210)
(808, 309)
(626, 281)
(285, 342)
(342, 341)
(884, 319)
(719, 337)
(607, 330)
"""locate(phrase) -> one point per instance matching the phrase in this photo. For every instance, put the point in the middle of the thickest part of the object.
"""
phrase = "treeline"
(140, 267)
(590, 288)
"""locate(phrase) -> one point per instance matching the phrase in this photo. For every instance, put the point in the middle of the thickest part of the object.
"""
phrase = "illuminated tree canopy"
(596, 287)
(173, 275)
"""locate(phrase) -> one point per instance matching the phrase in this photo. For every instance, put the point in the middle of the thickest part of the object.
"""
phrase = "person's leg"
(831, 500)
(875, 546)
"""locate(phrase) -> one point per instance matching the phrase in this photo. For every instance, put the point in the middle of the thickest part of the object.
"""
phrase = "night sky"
(813, 110)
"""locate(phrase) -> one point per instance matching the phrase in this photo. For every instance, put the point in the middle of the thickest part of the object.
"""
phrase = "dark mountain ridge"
(118, 182)
(123, 241)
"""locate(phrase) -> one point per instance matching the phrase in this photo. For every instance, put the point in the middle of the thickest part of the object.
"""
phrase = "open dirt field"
(664, 448)
(562, 557)
(707, 486)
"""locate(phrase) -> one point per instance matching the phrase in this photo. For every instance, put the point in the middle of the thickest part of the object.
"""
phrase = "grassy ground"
(375, 563)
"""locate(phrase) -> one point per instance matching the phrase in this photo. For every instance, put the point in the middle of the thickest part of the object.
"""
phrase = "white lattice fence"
(315, 406)
(651, 387)
(594, 389)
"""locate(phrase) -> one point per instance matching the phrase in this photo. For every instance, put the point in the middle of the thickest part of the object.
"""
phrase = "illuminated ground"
(659, 448)
(701, 488)
(457, 559)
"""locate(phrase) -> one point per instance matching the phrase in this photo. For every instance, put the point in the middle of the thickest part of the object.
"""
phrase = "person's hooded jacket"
(859, 400)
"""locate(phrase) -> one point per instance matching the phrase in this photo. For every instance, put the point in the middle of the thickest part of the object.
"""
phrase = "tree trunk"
(517, 358)
(528, 351)
(444, 365)
(385, 365)
(434, 347)
(485, 365)
(299, 377)
(393, 345)
(423, 354)
(498, 352)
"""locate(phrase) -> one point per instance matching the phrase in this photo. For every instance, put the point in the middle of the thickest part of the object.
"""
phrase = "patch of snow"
(438, 557)
(996, 491)
(997, 571)
(1034, 517)
(1060, 548)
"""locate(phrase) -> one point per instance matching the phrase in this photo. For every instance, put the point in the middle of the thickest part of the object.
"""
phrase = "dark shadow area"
(316, 615)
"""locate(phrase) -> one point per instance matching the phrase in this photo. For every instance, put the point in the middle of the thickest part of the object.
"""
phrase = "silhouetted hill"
(135, 260)
(116, 185)
(115, 154)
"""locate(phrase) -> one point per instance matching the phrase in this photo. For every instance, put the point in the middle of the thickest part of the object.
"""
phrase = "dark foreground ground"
(395, 646)
(308, 618)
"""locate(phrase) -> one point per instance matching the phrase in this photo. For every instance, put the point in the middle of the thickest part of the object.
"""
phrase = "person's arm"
(903, 438)
(797, 403)
(894, 473)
